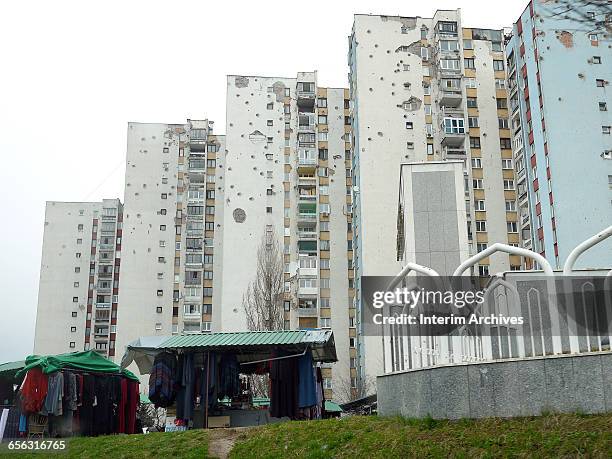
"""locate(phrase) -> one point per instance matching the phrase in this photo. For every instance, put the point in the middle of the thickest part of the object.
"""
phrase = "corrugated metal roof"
(12, 366)
(251, 338)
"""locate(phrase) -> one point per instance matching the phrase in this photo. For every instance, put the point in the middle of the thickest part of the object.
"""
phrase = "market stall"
(80, 393)
(206, 379)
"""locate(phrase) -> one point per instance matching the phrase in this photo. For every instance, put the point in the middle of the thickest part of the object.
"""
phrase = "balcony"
(455, 153)
(306, 217)
(453, 138)
(308, 312)
(306, 122)
(192, 316)
(308, 290)
(525, 220)
(305, 94)
(307, 180)
(308, 235)
(450, 98)
(103, 305)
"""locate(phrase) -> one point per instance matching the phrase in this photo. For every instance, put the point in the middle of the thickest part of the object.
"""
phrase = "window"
(161, 259)
(72, 344)
(449, 45)
(322, 136)
(476, 163)
(470, 83)
(78, 254)
(427, 108)
(474, 142)
(447, 27)
(477, 184)
(503, 123)
(605, 129)
(481, 226)
(472, 121)
(512, 227)
(502, 103)
(80, 227)
(480, 246)
(450, 64)
(322, 119)
(162, 227)
(321, 102)
(76, 284)
(500, 83)
(451, 83)
(325, 322)
(159, 309)
(483, 270)
(506, 164)
(160, 293)
(479, 205)
(505, 143)
(467, 44)
(270, 106)
(596, 59)
(77, 269)
(472, 102)
(75, 299)
(454, 126)
(430, 149)
(510, 206)
(162, 211)
(409, 124)
(593, 37)
(74, 314)
(469, 63)
(508, 184)
(498, 65)
(603, 107)
(268, 210)
(327, 383)
(429, 129)
(600, 83)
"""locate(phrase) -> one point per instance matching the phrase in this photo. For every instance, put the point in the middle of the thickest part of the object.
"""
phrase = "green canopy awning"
(332, 407)
(12, 366)
(87, 361)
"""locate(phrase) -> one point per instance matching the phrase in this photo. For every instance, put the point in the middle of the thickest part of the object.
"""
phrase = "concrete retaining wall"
(520, 387)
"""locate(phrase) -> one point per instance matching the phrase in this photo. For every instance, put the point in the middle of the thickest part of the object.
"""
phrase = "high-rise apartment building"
(288, 176)
(170, 264)
(560, 68)
(79, 277)
(428, 89)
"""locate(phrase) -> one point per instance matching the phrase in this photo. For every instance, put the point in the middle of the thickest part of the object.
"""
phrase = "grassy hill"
(367, 437)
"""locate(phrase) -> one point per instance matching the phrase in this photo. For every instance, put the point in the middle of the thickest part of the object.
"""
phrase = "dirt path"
(221, 441)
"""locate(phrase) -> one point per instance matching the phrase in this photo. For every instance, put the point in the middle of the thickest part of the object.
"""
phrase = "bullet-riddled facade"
(425, 89)
(559, 78)
(287, 175)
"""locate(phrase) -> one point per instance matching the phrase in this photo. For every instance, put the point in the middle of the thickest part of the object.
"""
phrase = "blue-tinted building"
(560, 74)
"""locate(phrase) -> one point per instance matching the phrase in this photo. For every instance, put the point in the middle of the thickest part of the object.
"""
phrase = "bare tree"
(589, 16)
(263, 299)
(344, 391)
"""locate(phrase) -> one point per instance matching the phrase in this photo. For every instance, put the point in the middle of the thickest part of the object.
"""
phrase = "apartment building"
(288, 177)
(79, 277)
(559, 78)
(172, 191)
(428, 89)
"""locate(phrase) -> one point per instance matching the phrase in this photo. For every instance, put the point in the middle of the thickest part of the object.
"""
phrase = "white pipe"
(410, 266)
(498, 247)
(568, 267)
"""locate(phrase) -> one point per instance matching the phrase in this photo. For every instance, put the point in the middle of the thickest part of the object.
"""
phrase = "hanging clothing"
(185, 393)
(283, 388)
(86, 410)
(122, 407)
(34, 390)
(213, 386)
(133, 398)
(229, 377)
(70, 391)
(55, 394)
(307, 392)
(162, 390)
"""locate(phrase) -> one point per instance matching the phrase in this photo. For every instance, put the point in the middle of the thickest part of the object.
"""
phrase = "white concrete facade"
(426, 89)
(77, 297)
(285, 172)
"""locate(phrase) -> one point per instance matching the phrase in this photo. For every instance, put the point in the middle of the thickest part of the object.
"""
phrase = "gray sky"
(73, 73)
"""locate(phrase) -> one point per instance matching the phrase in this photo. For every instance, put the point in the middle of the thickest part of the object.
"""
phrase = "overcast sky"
(73, 73)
